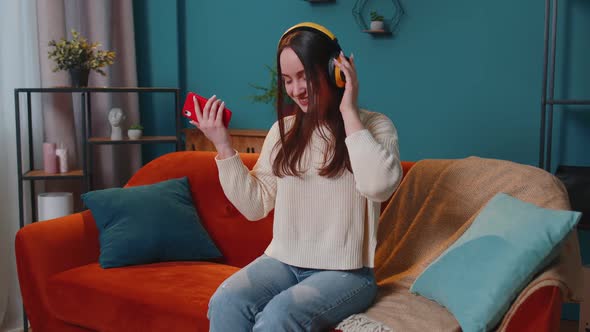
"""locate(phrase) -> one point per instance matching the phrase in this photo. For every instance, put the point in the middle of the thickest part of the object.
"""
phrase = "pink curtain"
(109, 22)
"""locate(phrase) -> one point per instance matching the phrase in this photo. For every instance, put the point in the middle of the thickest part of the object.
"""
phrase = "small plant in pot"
(377, 21)
(135, 131)
(79, 57)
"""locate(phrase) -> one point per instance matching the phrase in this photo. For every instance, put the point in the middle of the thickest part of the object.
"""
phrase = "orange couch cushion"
(171, 296)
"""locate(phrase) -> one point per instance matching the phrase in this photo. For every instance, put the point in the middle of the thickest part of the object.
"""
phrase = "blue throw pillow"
(148, 224)
(479, 276)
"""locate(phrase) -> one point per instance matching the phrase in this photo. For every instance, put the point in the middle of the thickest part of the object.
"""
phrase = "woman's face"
(294, 77)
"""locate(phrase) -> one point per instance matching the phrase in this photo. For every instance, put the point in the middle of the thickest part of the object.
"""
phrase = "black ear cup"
(336, 75)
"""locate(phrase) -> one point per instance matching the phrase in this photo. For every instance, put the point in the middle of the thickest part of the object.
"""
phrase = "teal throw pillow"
(148, 224)
(479, 276)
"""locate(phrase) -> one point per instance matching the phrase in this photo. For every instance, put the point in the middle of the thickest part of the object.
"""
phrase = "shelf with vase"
(79, 57)
(379, 24)
(84, 171)
(39, 174)
(378, 32)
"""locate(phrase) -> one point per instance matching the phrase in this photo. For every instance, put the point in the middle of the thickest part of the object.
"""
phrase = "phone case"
(188, 110)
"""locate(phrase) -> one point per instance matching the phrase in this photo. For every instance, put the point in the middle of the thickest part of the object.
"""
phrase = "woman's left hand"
(351, 88)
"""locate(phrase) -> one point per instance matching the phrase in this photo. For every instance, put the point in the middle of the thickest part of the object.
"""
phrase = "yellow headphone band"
(336, 75)
(313, 26)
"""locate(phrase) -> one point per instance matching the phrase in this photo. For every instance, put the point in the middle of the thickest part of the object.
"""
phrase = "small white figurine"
(116, 116)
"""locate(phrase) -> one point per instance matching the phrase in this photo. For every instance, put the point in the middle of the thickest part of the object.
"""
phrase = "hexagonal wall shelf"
(392, 16)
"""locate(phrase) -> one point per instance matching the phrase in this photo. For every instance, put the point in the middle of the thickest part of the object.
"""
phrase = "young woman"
(324, 169)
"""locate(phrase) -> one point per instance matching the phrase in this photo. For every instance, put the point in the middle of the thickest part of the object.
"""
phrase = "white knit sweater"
(319, 222)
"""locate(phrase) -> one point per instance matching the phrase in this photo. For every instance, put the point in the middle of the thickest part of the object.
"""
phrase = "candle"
(49, 158)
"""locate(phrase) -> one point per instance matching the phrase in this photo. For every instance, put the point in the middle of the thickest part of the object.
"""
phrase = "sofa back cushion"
(437, 202)
(480, 274)
(239, 240)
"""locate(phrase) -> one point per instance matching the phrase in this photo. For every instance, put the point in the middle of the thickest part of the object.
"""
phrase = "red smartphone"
(188, 110)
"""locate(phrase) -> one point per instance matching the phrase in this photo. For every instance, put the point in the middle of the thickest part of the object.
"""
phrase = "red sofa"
(64, 288)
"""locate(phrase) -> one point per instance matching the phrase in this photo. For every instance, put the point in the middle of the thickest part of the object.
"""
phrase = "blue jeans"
(268, 295)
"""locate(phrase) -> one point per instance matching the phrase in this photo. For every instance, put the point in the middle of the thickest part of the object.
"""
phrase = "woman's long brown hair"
(314, 50)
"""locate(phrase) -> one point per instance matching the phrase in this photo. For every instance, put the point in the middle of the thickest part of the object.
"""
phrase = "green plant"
(77, 53)
(269, 94)
(376, 17)
(136, 126)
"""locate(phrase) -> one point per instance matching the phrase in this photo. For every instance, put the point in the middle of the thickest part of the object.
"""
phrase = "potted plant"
(135, 131)
(268, 94)
(79, 57)
(377, 21)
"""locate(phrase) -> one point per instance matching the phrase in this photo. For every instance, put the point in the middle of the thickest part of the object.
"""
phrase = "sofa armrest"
(46, 248)
(541, 312)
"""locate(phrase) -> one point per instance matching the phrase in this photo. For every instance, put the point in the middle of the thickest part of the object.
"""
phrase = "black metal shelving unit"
(85, 172)
(548, 94)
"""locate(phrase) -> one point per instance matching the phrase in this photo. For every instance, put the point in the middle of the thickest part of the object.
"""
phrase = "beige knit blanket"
(437, 201)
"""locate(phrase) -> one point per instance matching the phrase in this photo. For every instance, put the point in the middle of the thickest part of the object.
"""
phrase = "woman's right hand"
(211, 124)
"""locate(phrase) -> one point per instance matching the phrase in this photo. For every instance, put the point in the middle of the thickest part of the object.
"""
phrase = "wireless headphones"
(334, 73)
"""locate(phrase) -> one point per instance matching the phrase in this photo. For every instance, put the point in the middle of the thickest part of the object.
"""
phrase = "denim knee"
(229, 311)
(215, 302)
(277, 315)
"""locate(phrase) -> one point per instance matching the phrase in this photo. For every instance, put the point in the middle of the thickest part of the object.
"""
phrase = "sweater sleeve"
(374, 158)
(252, 192)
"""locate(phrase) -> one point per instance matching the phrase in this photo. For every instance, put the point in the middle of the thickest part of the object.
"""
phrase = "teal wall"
(157, 40)
(459, 78)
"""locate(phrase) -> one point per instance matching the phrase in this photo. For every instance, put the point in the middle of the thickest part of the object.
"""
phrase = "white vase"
(134, 133)
(377, 25)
